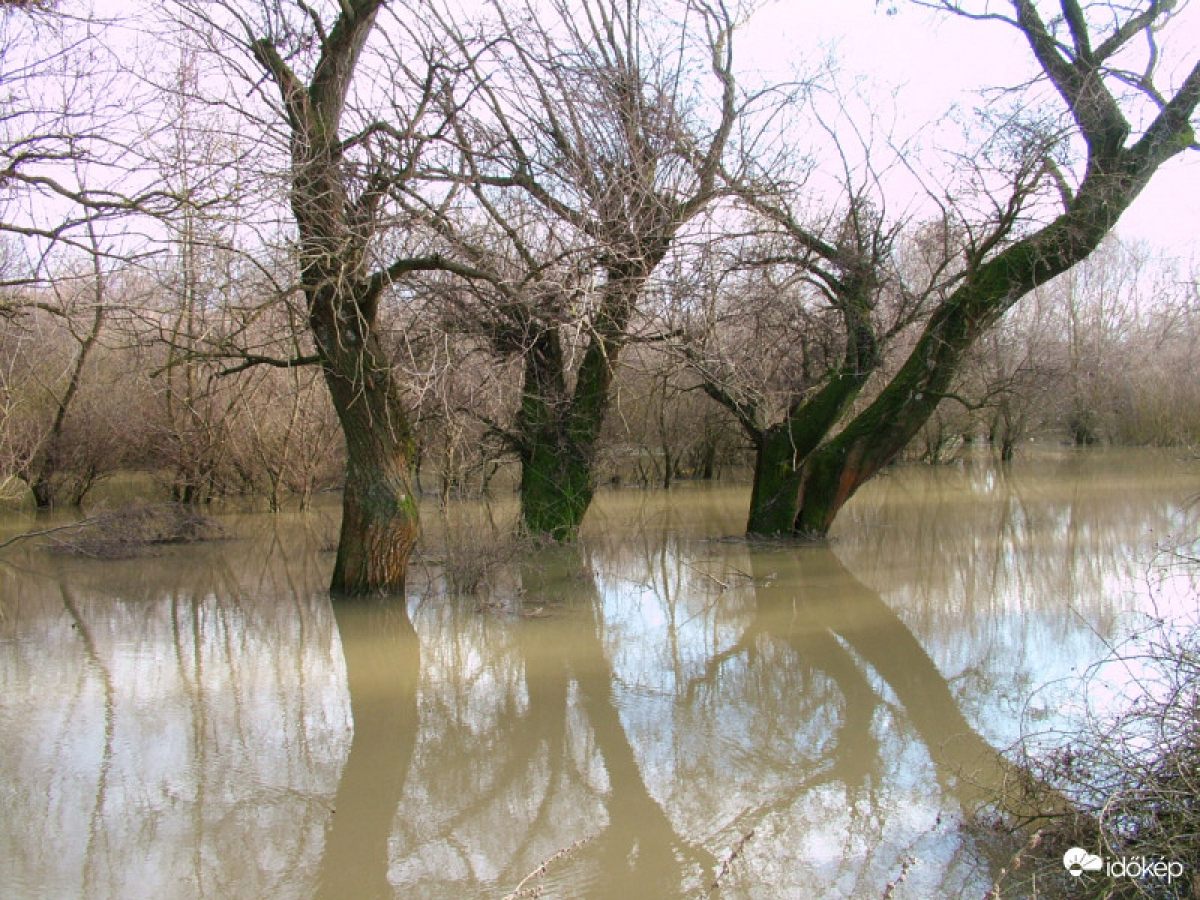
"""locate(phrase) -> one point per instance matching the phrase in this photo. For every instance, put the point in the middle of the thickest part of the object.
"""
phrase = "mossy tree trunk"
(558, 428)
(995, 276)
(875, 437)
(782, 449)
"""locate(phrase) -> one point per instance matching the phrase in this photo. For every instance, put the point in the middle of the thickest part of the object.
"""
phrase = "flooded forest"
(595, 449)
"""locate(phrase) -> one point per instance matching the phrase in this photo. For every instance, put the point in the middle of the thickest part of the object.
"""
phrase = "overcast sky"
(938, 60)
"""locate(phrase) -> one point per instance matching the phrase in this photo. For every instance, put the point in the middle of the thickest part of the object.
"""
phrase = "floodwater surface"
(664, 711)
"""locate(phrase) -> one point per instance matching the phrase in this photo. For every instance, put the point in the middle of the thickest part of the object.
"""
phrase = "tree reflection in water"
(206, 723)
(170, 726)
(812, 727)
(383, 667)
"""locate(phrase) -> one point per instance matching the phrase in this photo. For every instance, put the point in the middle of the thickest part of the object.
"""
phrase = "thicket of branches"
(1129, 763)
(562, 244)
(1101, 355)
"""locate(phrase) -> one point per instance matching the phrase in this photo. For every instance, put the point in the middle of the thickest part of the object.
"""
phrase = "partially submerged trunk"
(379, 504)
(1116, 172)
(876, 437)
(558, 429)
(781, 453)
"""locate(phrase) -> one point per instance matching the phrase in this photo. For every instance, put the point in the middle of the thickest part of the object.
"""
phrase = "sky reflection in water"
(203, 723)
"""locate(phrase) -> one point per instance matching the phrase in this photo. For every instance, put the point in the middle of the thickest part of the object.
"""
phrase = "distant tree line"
(1103, 354)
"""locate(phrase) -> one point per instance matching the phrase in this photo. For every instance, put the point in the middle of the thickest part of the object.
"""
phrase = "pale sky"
(937, 60)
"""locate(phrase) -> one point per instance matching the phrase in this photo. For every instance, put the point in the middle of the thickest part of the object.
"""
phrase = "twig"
(32, 534)
(729, 861)
(520, 891)
(1013, 865)
(717, 581)
(909, 862)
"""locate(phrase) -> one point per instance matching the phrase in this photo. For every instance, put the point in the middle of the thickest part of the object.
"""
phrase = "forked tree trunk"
(558, 432)
(558, 447)
(379, 507)
(783, 450)
(876, 437)
(773, 496)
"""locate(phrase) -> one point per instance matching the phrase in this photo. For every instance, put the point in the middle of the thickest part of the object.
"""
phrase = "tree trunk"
(877, 435)
(558, 432)
(783, 450)
(557, 447)
(43, 494)
(379, 505)
(556, 487)
(774, 495)
(46, 463)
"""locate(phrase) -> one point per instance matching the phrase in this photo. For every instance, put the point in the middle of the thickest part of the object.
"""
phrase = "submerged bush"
(134, 529)
(1130, 769)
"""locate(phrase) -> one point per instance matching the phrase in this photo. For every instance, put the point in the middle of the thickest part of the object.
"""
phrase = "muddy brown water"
(664, 707)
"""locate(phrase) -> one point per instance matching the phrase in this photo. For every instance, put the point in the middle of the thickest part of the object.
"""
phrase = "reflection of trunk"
(843, 613)
(975, 772)
(878, 636)
(92, 862)
(641, 852)
(382, 669)
(801, 626)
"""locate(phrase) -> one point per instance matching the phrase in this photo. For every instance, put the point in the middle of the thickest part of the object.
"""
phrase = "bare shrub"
(135, 529)
(1130, 768)
(475, 553)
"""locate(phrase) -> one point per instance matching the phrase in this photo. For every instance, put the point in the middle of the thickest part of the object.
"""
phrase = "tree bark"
(783, 450)
(876, 436)
(379, 503)
(558, 432)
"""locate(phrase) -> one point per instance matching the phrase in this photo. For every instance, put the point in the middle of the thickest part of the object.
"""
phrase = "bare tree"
(350, 146)
(595, 118)
(1085, 55)
(52, 468)
(1040, 196)
(795, 302)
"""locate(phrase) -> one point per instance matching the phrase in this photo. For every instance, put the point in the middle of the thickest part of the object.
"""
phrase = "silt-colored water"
(663, 707)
